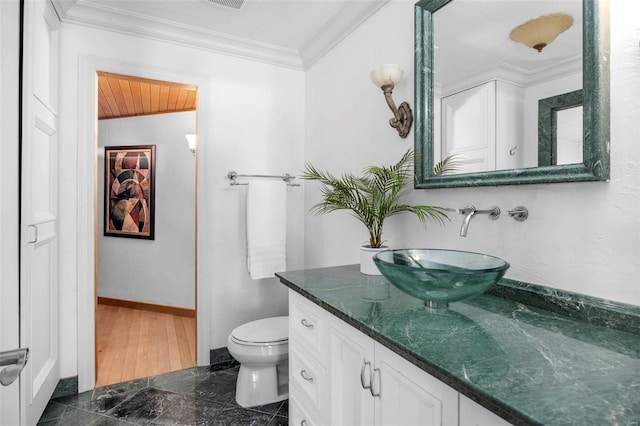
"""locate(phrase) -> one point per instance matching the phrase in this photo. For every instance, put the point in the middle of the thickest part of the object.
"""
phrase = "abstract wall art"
(129, 208)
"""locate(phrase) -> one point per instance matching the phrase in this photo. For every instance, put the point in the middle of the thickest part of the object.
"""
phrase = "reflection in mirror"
(569, 135)
(560, 135)
(478, 91)
(488, 85)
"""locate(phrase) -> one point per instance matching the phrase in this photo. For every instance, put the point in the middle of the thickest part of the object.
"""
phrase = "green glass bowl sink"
(440, 276)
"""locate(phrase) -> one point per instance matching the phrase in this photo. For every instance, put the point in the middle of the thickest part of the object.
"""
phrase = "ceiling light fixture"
(539, 32)
(386, 77)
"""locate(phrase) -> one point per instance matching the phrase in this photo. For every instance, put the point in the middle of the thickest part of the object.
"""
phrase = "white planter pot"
(366, 259)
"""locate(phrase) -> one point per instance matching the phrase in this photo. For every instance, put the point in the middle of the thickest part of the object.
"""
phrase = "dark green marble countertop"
(526, 364)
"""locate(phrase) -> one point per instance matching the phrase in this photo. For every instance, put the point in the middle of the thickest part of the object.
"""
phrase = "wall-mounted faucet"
(470, 211)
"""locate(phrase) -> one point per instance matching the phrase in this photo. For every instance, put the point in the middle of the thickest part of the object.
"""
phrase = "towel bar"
(233, 176)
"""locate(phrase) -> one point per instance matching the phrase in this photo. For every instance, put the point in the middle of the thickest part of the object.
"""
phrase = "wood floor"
(133, 344)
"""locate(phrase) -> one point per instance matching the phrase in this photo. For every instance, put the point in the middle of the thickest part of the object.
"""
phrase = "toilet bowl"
(262, 349)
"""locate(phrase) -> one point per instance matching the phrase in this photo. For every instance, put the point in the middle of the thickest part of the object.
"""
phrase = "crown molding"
(62, 7)
(338, 28)
(111, 19)
(137, 25)
(517, 76)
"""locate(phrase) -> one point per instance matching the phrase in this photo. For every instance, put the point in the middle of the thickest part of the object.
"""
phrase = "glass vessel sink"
(440, 276)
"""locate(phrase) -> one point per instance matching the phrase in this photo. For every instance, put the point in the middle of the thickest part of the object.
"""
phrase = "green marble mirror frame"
(595, 109)
(548, 125)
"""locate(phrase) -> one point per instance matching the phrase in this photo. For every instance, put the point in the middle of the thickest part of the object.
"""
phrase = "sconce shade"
(539, 32)
(386, 74)
(386, 77)
(191, 140)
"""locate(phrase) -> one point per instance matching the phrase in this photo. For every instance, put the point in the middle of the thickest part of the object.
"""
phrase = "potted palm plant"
(373, 197)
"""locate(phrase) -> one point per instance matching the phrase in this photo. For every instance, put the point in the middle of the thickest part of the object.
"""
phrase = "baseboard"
(221, 359)
(67, 386)
(172, 310)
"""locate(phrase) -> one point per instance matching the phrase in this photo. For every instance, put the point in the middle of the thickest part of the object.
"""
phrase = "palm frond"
(450, 164)
(372, 197)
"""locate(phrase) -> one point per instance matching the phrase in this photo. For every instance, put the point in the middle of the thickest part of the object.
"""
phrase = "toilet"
(262, 349)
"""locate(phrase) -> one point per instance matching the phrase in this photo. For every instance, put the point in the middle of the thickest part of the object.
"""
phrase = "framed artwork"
(129, 208)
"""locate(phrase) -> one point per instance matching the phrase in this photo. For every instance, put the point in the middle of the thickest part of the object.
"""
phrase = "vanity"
(361, 352)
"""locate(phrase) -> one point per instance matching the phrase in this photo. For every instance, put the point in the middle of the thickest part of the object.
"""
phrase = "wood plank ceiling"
(125, 96)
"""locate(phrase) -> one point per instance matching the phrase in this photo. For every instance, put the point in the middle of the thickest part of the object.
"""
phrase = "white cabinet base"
(339, 376)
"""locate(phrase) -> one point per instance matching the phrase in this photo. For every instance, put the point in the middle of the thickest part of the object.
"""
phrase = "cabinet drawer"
(306, 324)
(307, 378)
(299, 416)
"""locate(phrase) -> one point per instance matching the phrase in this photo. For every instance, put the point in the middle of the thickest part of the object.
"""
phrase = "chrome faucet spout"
(470, 211)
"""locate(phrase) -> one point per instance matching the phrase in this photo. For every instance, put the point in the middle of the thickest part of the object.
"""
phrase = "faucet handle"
(494, 212)
(520, 213)
(470, 208)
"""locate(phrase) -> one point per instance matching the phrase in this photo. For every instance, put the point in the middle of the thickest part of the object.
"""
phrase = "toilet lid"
(268, 330)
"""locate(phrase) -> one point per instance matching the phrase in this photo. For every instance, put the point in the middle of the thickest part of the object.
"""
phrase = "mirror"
(505, 111)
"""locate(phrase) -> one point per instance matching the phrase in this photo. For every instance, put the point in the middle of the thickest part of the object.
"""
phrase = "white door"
(350, 366)
(9, 185)
(409, 396)
(39, 225)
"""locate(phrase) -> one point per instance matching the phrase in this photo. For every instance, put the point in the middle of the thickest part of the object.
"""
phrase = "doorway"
(146, 228)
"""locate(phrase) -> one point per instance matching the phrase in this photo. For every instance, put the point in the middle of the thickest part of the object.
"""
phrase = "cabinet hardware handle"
(364, 365)
(374, 393)
(306, 323)
(306, 376)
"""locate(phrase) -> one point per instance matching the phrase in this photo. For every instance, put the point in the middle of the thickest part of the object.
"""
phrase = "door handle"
(32, 236)
(13, 362)
(376, 373)
(365, 364)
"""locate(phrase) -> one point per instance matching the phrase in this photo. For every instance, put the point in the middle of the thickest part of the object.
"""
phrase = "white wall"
(129, 268)
(253, 123)
(582, 237)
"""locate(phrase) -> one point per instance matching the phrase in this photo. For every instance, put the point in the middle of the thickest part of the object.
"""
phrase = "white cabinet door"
(350, 364)
(472, 414)
(469, 128)
(409, 396)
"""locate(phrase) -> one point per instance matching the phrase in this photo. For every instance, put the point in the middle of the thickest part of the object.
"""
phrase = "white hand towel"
(266, 228)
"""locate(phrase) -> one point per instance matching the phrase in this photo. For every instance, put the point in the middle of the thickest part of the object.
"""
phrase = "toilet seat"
(268, 331)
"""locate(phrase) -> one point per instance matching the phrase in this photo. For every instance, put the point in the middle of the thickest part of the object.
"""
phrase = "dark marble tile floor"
(196, 396)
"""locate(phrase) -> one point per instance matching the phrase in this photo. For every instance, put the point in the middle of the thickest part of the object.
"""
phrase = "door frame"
(87, 196)
(10, 30)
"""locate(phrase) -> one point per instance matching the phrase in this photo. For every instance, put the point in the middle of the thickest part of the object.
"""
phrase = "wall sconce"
(386, 77)
(191, 140)
(539, 32)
